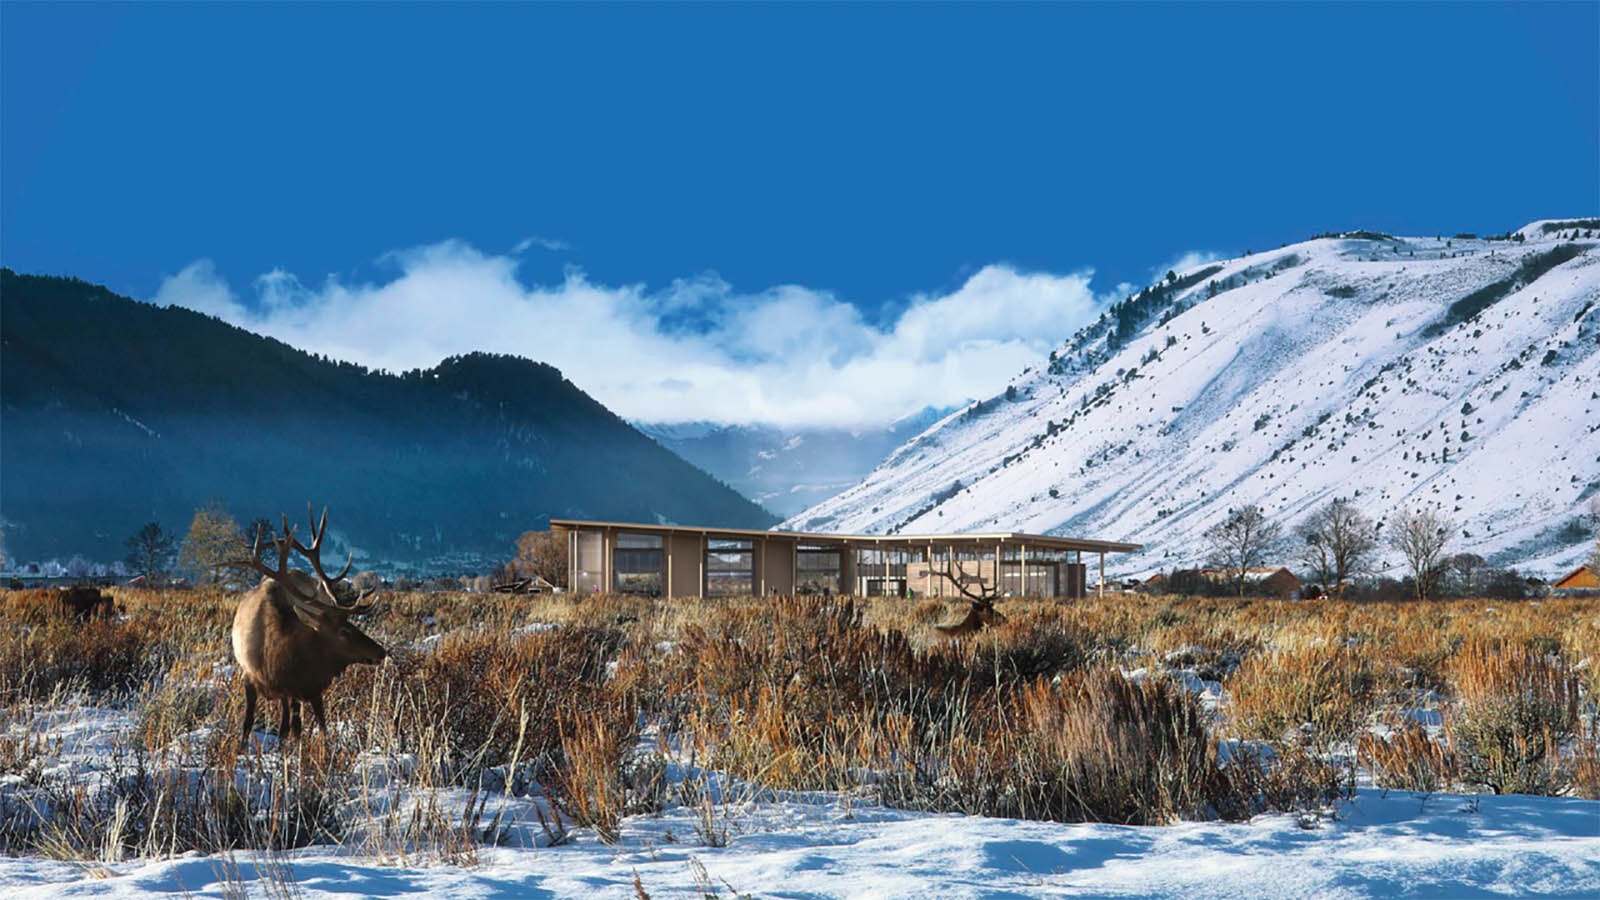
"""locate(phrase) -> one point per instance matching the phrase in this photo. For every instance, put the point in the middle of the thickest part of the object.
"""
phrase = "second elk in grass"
(292, 635)
(981, 613)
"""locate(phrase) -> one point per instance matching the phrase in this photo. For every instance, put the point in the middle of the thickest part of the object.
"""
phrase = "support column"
(1022, 567)
(885, 556)
(1102, 574)
(758, 565)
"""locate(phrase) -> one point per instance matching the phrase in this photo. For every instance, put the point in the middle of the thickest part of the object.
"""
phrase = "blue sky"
(689, 163)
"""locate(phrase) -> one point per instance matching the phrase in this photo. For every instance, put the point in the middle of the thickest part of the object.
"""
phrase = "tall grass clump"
(481, 698)
(1408, 758)
(1515, 709)
(1095, 747)
(1018, 722)
(1317, 694)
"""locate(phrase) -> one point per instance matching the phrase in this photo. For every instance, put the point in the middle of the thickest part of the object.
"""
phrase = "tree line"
(208, 552)
(1338, 545)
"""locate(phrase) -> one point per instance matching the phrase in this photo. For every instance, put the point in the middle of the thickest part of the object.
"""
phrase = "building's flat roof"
(1004, 537)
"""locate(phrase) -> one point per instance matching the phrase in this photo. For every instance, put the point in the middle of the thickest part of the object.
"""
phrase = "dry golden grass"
(1033, 718)
(1408, 759)
(1516, 709)
(1319, 692)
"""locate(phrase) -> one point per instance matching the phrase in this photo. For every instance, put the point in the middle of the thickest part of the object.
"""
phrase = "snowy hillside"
(1460, 374)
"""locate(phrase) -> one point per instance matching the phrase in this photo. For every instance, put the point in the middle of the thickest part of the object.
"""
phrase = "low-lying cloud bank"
(696, 350)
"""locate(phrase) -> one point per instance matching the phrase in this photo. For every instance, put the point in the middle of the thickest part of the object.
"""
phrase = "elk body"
(85, 602)
(292, 636)
(981, 614)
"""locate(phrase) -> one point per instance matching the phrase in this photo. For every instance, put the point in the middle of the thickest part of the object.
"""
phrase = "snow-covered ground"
(829, 844)
(1380, 844)
(1329, 368)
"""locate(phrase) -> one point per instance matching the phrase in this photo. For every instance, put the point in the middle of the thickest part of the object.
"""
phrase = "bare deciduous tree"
(1420, 535)
(1339, 541)
(150, 551)
(542, 553)
(1466, 566)
(1242, 541)
(1594, 516)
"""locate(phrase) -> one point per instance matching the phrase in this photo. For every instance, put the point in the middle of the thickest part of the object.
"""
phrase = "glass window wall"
(818, 569)
(590, 562)
(730, 569)
(637, 565)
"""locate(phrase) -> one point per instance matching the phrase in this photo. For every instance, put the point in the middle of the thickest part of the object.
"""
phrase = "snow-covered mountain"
(1458, 373)
(787, 469)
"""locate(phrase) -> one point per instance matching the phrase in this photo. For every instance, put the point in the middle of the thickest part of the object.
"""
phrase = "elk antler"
(985, 596)
(284, 545)
(313, 554)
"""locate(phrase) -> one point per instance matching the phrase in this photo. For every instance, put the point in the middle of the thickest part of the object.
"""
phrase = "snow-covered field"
(1380, 844)
(833, 844)
(1330, 368)
(102, 790)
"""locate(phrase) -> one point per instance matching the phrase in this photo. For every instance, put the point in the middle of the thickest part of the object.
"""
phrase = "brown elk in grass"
(292, 635)
(981, 613)
(85, 603)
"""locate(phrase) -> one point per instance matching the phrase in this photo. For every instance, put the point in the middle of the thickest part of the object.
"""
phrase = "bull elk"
(981, 613)
(291, 634)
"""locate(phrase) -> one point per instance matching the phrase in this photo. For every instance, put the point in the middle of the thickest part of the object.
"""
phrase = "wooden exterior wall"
(683, 556)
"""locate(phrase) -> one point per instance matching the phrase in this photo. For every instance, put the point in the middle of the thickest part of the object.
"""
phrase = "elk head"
(292, 634)
(981, 613)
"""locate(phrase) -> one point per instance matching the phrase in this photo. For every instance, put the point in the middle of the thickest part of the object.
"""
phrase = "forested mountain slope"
(114, 413)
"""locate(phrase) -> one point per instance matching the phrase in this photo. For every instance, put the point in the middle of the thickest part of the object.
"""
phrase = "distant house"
(1266, 581)
(536, 584)
(1582, 578)
(1277, 582)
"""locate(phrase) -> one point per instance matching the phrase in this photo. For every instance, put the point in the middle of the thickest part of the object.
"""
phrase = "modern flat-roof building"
(691, 561)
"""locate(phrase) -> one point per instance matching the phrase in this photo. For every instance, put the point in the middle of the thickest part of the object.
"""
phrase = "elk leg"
(294, 724)
(249, 715)
(316, 707)
(283, 719)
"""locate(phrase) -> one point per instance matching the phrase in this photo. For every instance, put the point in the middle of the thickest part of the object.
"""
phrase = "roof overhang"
(1042, 541)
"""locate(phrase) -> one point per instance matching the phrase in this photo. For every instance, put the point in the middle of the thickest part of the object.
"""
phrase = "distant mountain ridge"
(115, 412)
(1459, 373)
(788, 469)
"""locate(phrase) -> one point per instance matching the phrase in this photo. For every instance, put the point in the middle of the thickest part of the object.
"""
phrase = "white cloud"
(526, 244)
(696, 350)
(1193, 259)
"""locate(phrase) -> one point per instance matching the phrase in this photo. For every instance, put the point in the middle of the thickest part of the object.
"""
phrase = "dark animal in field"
(981, 614)
(292, 634)
(85, 602)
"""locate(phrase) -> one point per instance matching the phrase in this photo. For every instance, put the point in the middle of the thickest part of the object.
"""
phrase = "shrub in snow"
(1515, 710)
